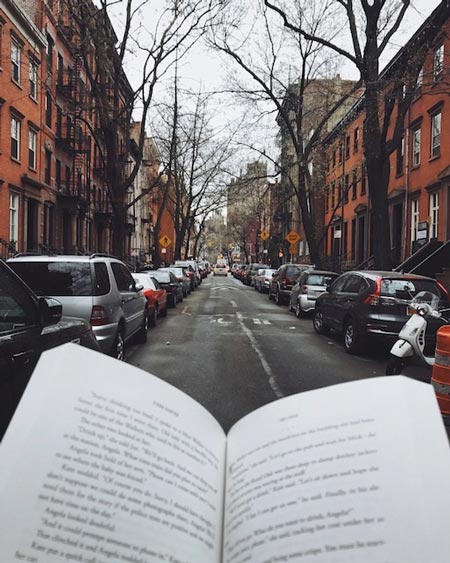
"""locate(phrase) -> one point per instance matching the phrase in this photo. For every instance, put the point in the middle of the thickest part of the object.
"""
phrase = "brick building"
(419, 167)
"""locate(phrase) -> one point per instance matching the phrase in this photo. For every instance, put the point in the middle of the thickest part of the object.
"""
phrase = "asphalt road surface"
(233, 351)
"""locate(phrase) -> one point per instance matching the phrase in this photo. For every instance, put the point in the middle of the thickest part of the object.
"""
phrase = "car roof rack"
(103, 255)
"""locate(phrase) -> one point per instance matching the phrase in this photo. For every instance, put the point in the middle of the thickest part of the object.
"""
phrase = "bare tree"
(370, 27)
(292, 74)
(104, 55)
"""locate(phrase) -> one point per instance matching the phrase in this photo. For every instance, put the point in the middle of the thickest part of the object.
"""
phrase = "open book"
(105, 463)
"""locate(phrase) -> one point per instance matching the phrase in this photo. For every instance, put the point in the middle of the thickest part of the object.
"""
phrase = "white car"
(220, 269)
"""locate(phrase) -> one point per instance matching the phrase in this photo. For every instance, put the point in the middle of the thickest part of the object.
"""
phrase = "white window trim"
(33, 77)
(32, 146)
(15, 134)
(434, 214)
(436, 146)
(16, 49)
(14, 203)
(414, 219)
(438, 63)
(416, 144)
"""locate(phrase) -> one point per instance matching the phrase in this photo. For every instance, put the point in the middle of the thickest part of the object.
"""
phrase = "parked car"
(98, 289)
(251, 271)
(363, 305)
(156, 296)
(190, 266)
(182, 277)
(169, 282)
(283, 281)
(220, 269)
(262, 280)
(308, 287)
(29, 325)
(203, 269)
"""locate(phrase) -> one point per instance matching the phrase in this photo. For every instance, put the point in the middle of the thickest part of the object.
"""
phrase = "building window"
(58, 121)
(434, 214)
(414, 219)
(15, 138)
(58, 174)
(347, 147)
(334, 158)
(48, 109)
(68, 177)
(48, 166)
(438, 63)
(356, 139)
(32, 146)
(419, 82)
(49, 54)
(354, 183)
(333, 195)
(60, 69)
(16, 53)
(346, 187)
(48, 224)
(363, 179)
(436, 134)
(33, 75)
(13, 217)
(416, 147)
(400, 157)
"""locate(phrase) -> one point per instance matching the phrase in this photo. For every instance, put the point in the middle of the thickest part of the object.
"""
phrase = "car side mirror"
(138, 286)
(50, 310)
(328, 288)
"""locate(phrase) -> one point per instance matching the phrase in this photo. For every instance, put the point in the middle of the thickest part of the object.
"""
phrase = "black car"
(283, 281)
(368, 304)
(169, 282)
(29, 325)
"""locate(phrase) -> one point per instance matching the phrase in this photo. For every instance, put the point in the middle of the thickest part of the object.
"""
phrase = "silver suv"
(98, 289)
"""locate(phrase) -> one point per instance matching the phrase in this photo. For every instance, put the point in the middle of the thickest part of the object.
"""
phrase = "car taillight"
(189, 274)
(283, 282)
(374, 298)
(99, 316)
(304, 289)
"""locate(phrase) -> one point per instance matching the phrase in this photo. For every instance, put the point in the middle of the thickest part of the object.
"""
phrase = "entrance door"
(361, 250)
(32, 225)
(397, 231)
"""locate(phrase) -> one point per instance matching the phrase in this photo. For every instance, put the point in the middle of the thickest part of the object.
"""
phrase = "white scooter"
(411, 338)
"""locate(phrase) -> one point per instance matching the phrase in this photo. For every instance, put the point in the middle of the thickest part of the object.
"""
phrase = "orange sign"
(264, 235)
(165, 241)
(293, 237)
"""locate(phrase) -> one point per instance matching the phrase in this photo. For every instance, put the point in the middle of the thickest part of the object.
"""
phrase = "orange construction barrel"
(440, 378)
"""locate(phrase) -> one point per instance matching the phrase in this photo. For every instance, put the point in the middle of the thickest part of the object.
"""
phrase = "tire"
(141, 336)
(352, 340)
(395, 365)
(173, 301)
(118, 350)
(319, 326)
(299, 312)
(278, 298)
(153, 318)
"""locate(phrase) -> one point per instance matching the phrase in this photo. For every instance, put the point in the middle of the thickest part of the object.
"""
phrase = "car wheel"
(352, 340)
(163, 313)
(278, 299)
(319, 326)
(118, 350)
(153, 317)
(181, 298)
(141, 336)
(299, 312)
(395, 365)
(270, 295)
(173, 300)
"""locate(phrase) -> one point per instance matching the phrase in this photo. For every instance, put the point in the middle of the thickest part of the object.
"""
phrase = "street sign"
(264, 235)
(165, 241)
(293, 237)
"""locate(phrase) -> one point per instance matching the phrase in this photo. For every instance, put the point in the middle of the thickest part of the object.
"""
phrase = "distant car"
(191, 266)
(220, 269)
(29, 325)
(169, 282)
(251, 271)
(364, 305)
(156, 296)
(262, 280)
(182, 277)
(283, 281)
(308, 287)
(98, 289)
(203, 268)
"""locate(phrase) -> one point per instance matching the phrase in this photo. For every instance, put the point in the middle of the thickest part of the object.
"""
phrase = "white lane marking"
(266, 322)
(233, 303)
(272, 379)
(256, 321)
(184, 311)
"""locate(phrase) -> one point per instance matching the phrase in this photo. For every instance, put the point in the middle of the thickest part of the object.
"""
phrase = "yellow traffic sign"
(165, 241)
(293, 237)
(264, 235)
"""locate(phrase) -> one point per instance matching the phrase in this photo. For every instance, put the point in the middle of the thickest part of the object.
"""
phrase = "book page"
(354, 472)
(104, 462)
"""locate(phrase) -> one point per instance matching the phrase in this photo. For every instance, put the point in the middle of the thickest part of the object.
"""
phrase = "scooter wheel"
(395, 365)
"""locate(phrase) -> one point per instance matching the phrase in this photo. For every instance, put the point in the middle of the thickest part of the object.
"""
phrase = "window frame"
(433, 207)
(415, 216)
(15, 154)
(14, 216)
(32, 150)
(33, 77)
(416, 146)
(438, 63)
(16, 47)
(435, 148)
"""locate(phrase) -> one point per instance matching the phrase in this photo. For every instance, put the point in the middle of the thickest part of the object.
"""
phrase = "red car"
(156, 296)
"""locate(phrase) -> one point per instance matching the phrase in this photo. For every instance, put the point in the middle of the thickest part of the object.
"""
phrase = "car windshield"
(408, 288)
(56, 278)
(162, 277)
(319, 279)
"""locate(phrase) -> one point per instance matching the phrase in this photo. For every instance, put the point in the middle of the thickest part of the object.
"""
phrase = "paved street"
(233, 350)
